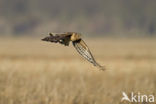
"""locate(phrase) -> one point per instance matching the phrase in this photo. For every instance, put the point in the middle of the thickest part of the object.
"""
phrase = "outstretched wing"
(84, 51)
(62, 38)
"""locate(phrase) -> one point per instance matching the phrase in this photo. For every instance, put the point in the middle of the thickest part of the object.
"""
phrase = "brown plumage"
(78, 43)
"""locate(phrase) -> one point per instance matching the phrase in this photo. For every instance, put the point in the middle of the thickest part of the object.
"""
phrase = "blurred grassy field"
(36, 72)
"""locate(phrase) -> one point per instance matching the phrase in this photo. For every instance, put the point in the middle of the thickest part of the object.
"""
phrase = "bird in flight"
(78, 43)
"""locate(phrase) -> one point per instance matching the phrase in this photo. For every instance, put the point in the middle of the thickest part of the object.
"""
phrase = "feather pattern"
(78, 43)
(84, 51)
(58, 38)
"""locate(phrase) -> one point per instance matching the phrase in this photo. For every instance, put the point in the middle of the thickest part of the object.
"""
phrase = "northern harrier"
(78, 43)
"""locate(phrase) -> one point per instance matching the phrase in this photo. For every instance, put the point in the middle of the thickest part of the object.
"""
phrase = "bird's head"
(75, 36)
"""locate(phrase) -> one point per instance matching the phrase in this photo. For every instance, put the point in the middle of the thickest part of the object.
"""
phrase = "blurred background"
(37, 72)
(90, 17)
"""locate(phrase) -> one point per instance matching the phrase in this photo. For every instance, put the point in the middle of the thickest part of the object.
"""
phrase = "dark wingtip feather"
(100, 67)
(45, 39)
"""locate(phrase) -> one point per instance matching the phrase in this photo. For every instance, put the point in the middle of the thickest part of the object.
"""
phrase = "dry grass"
(36, 72)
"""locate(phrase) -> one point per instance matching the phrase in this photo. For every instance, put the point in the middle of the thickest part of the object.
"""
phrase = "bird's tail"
(99, 66)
